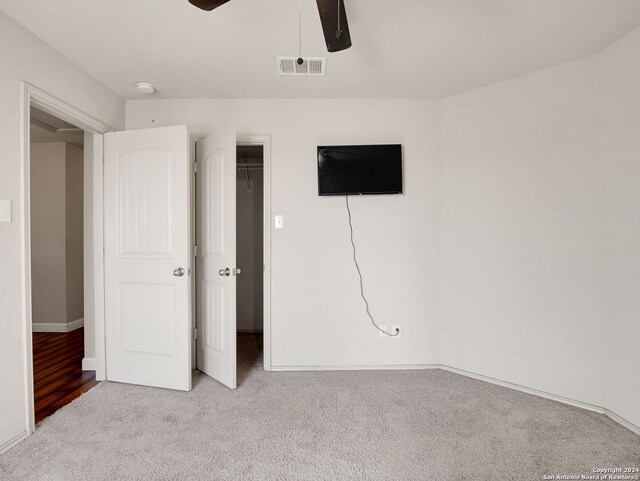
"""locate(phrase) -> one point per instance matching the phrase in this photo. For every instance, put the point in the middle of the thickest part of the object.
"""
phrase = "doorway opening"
(57, 262)
(233, 202)
(92, 244)
(249, 257)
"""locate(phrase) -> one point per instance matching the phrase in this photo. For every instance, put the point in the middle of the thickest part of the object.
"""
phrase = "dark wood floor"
(58, 377)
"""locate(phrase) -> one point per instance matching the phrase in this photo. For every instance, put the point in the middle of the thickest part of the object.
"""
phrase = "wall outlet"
(381, 334)
(393, 331)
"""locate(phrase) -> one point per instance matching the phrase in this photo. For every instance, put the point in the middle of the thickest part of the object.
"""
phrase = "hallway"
(57, 371)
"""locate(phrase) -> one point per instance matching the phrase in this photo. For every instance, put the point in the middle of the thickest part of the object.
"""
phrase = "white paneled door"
(148, 257)
(216, 260)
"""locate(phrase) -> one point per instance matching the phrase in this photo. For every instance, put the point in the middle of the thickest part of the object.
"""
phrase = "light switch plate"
(279, 222)
(5, 211)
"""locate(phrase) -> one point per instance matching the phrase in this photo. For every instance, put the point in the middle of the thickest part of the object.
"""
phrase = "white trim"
(381, 367)
(525, 389)
(517, 387)
(553, 397)
(57, 326)
(12, 442)
(620, 420)
(89, 364)
(48, 103)
(98, 257)
(193, 261)
(32, 96)
(25, 167)
(265, 141)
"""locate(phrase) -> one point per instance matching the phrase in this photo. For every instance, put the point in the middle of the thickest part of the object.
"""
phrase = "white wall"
(318, 317)
(540, 231)
(88, 226)
(74, 180)
(48, 233)
(25, 57)
(57, 284)
(539, 238)
(249, 246)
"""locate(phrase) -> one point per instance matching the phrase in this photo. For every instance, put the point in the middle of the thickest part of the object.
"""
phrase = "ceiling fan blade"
(336, 39)
(207, 5)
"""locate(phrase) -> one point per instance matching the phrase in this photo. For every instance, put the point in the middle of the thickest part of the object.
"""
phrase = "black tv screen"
(359, 169)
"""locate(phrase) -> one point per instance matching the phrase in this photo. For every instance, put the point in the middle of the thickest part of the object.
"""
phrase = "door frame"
(33, 96)
(265, 142)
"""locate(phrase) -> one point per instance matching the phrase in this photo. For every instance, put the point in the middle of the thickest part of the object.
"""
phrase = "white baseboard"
(528, 390)
(12, 442)
(57, 326)
(554, 397)
(391, 367)
(89, 364)
(77, 324)
(620, 420)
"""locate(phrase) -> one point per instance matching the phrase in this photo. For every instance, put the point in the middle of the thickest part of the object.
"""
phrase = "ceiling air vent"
(311, 66)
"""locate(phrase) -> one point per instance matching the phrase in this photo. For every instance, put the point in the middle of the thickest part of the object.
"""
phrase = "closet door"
(216, 259)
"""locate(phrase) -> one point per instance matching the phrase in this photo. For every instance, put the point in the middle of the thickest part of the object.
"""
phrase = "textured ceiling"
(404, 49)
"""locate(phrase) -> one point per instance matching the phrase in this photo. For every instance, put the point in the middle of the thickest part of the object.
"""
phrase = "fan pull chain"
(338, 32)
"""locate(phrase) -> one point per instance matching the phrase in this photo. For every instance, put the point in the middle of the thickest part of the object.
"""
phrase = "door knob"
(179, 272)
(237, 271)
(225, 272)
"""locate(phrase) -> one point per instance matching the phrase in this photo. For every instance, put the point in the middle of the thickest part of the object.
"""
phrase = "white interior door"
(147, 257)
(216, 260)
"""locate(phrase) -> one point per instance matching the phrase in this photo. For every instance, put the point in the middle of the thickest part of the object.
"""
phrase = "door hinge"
(195, 167)
(195, 251)
(195, 333)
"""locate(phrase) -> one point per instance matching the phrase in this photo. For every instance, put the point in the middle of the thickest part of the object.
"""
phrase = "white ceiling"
(408, 48)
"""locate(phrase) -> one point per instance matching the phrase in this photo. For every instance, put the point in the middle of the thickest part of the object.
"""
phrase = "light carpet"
(364, 425)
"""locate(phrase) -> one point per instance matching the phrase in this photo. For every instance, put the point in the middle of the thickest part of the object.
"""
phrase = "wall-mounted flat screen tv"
(360, 169)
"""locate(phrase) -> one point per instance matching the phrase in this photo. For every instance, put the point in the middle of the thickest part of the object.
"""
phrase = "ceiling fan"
(333, 17)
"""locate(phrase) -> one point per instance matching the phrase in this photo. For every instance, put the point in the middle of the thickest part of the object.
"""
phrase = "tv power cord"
(355, 261)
